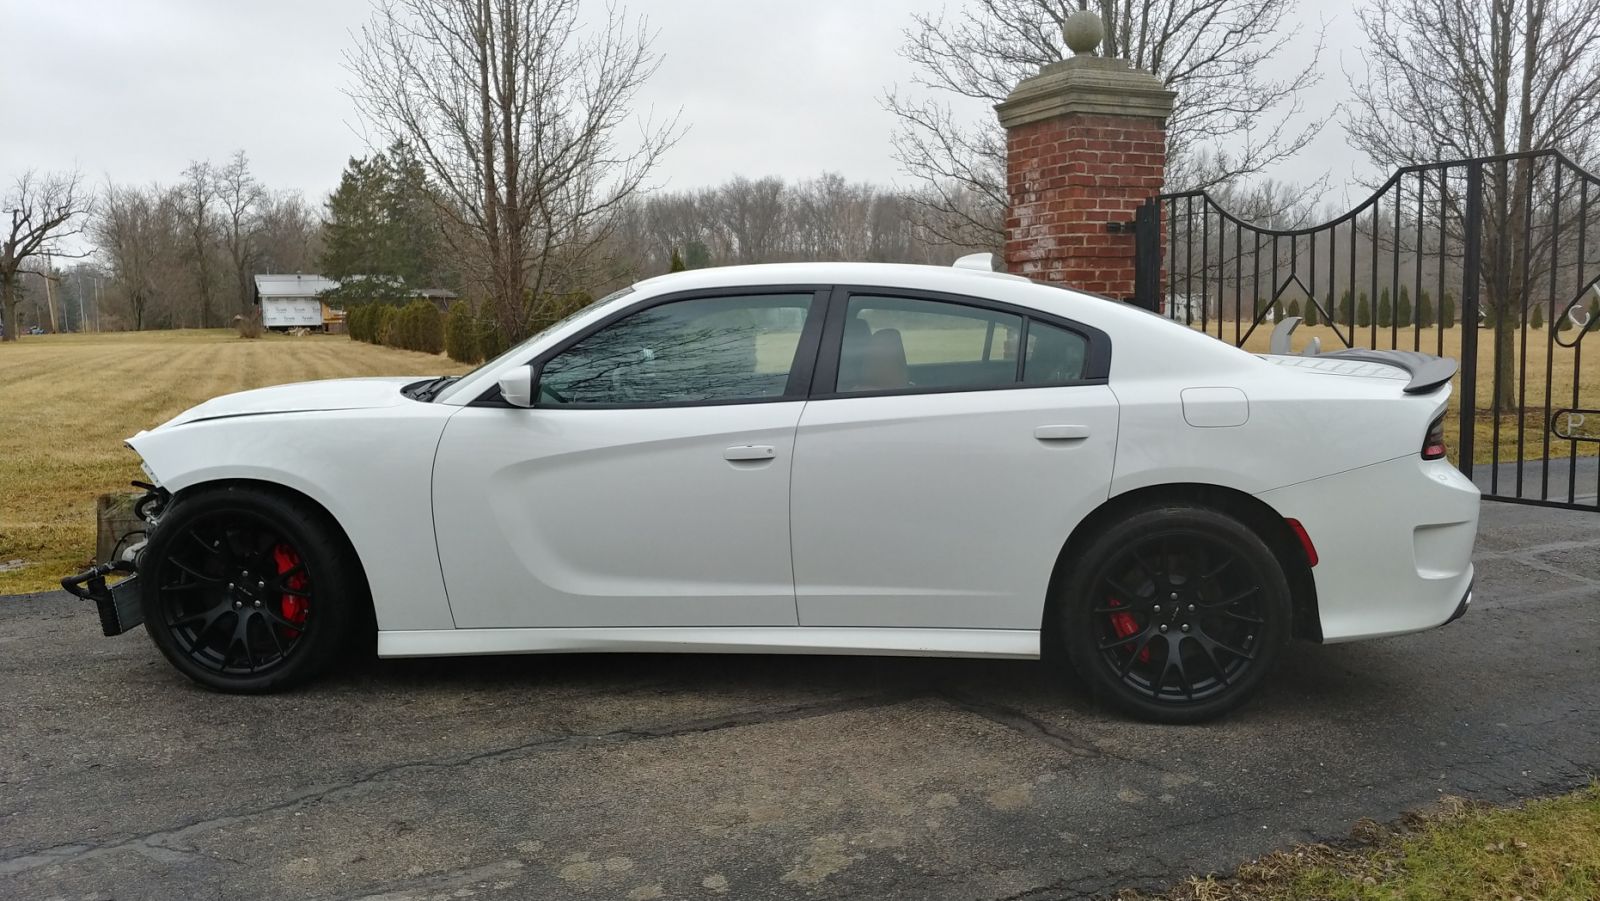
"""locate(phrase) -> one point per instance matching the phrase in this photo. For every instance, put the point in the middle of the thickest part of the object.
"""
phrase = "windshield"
(526, 344)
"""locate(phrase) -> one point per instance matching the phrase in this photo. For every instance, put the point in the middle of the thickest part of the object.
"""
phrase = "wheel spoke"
(1231, 599)
(272, 633)
(194, 572)
(1122, 642)
(1150, 572)
(1176, 655)
(1233, 614)
(1127, 665)
(1127, 593)
(277, 620)
(1210, 647)
(1210, 574)
(1243, 655)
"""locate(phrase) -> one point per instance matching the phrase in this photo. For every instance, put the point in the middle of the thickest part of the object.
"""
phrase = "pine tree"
(1347, 309)
(677, 262)
(1294, 308)
(1594, 316)
(383, 232)
(461, 333)
(1363, 312)
(1311, 309)
(1403, 314)
(697, 255)
(1425, 309)
(1447, 311)
(1536, 320)
(1385, 309)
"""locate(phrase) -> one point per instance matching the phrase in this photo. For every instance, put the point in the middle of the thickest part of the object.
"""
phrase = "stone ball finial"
(1083, 32)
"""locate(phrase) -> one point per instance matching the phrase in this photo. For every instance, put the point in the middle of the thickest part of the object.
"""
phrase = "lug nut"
(230, 586)
(1174, 595)
(264, 585)
(1191, 608)
(1156, 608)
(238, 604)
(1185, 627)
(1163, 627)
(258, 603)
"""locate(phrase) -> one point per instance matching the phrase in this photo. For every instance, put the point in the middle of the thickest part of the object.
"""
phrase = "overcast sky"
(131, 91)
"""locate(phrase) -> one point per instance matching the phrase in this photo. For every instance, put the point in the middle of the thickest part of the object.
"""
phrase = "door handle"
(749, 452)
(1061, 432)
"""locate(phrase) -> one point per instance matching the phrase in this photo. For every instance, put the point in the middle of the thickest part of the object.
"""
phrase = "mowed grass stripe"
(71, 400)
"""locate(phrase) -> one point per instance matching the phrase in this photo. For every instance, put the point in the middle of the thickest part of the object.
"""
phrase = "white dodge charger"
(824, 459)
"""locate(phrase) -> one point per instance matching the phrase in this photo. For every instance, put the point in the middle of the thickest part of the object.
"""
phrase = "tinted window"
(893, 344)
(1055, 355)
(688, 351)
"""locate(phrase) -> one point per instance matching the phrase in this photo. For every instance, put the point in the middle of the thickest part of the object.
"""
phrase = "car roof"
(894, 275)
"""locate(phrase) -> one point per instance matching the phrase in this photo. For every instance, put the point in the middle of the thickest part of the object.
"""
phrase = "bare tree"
(132, 236)
(198, 192)
(518, 112)
(288, 234)
(1231, 119)
(1450, 79)
(240, 196)
(44, 211)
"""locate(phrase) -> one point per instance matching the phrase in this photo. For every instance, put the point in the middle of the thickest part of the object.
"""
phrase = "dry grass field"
(69, 400)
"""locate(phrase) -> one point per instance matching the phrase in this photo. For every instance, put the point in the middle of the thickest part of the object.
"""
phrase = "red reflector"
(1305, 540)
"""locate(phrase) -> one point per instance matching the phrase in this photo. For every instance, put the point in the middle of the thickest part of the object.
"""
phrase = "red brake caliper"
(1124, 625)
(294, 606)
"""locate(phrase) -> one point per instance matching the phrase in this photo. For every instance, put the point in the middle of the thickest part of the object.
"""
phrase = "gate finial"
(1083, 32)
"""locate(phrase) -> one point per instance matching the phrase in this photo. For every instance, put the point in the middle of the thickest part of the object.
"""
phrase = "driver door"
(649, 484)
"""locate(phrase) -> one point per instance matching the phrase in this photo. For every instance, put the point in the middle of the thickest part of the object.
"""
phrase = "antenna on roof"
(983, 262)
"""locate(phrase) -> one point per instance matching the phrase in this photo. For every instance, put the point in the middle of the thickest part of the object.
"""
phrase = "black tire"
(1175, 613)
(247, 591)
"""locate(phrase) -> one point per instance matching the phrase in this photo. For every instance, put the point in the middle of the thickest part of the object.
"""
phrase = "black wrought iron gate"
(1493, 261)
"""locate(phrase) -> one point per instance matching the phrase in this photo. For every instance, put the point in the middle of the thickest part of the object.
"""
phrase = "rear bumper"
(1395, 541)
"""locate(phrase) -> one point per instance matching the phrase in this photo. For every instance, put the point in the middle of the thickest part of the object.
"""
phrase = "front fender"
(371, 470)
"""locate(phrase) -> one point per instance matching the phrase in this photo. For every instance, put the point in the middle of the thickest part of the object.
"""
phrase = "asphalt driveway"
(751, 777)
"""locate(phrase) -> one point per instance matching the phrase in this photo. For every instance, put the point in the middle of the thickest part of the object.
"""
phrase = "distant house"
(294, 301)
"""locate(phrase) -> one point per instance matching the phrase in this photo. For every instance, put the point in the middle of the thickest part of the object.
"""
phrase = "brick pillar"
(1086, 144)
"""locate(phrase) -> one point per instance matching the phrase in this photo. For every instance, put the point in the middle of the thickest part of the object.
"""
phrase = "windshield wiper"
(430, 389)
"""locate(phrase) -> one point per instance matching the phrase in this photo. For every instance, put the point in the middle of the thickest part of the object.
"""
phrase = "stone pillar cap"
(1086, 84)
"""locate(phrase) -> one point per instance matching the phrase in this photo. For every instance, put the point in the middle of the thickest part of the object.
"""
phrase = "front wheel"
(1175, 613)
(247, 591)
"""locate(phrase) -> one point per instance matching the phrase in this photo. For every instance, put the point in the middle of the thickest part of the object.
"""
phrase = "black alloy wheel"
(246, 591)
(1176, 614)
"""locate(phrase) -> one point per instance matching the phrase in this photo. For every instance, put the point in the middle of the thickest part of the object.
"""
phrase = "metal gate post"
(1471, 270)
(1147, 255)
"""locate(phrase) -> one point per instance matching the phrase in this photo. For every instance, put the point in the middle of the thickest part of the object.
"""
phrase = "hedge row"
(474, 337)
(416, 326)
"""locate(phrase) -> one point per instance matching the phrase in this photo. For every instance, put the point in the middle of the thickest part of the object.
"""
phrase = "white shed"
(293, 301)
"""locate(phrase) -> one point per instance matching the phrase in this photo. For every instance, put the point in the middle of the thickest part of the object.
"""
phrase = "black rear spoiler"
(1428, 372)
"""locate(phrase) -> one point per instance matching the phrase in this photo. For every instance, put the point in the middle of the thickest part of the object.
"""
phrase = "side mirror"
(518, 385)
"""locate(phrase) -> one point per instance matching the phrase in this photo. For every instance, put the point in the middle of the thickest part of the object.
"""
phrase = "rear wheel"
(1175, 613)
(247, 591)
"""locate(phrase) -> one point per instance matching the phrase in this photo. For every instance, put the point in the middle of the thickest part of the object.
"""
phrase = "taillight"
(1433, 446)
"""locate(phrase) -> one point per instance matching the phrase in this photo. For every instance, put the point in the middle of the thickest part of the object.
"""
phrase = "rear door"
(950, 446)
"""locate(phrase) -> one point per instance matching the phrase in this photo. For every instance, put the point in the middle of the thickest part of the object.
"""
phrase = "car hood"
(301, 397)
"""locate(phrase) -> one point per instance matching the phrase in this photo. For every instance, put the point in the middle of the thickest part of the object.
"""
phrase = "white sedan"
(821, 459)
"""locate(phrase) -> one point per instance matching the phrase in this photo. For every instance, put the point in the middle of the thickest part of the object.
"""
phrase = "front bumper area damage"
(119, 604)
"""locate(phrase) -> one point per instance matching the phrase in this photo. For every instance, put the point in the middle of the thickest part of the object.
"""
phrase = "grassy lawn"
(68, 401)
(1547, 849)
